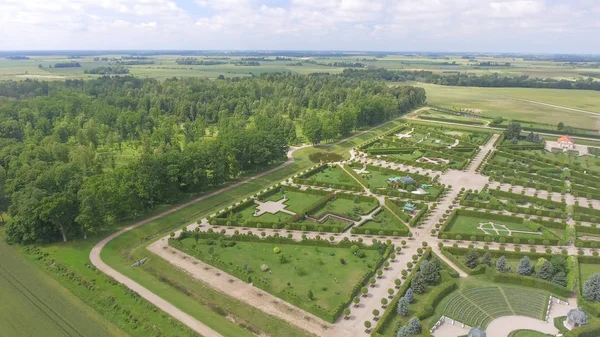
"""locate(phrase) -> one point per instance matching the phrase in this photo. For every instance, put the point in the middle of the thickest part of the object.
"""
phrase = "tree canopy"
(78, 156)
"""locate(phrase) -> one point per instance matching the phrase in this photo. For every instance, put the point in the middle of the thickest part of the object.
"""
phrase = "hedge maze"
(436, 148)
(478, 306)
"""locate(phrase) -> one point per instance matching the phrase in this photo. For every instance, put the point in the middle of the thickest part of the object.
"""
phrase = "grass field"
(318, 269)
(588, 269)
(508, 103)
(469, 224)
(334, 175)
(384, 220)
(348, 208)
(33, 304)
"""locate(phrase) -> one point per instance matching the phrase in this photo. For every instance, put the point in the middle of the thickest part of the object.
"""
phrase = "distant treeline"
(247, 63)
(493, 64)
(107, 70)
(67, 65)
(191, 61)
(135, 63)
(17, 57)
(471, 80)
(264, 58)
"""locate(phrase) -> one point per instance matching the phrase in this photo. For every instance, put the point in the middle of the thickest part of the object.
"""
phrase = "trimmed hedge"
(527, 281)
(458, 121)
(436, 295)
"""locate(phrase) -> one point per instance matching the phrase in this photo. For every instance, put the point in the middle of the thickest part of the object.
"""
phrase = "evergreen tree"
(410, 297)
(414, 326)
(591, 288)
(403, 332)
(560, 278)
(431, 272)
(487, 259)
(502, 264)
(471, 259)
(402, 308)
(418, 284)
(545, 272)
(525, 267)
(559, 264)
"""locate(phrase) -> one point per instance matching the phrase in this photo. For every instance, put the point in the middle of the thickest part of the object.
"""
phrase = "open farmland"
(33, 304)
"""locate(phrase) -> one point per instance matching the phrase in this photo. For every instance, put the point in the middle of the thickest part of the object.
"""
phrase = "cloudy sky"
(556, 26)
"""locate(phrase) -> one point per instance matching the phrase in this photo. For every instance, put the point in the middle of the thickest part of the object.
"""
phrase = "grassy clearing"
(33, 304)
(307, 268)
(528, 333)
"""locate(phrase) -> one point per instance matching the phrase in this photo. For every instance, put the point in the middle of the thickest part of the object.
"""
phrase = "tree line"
(117, 70)
(472, 80)
(78, 156)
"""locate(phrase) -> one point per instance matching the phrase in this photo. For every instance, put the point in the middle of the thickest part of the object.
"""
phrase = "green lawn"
(348, 208)
(469, 224)
(34, 304)
(588, 269)
(297, 201)
(334, 175)
(384, 220)
(318, 269)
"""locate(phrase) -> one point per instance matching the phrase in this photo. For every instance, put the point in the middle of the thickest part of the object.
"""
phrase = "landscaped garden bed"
(479, 226)
(317, 276)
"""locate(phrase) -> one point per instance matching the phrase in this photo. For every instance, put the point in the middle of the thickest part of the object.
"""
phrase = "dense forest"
(62, 165)
(471, 80)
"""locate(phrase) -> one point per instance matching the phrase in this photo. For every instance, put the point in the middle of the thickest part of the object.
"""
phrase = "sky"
(528, 26)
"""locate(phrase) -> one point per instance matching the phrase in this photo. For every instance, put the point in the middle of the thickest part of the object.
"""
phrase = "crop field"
(494, 102)
(33, 304)
(330, 273)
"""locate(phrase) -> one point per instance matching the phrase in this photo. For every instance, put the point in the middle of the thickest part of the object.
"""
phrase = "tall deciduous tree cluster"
(78, 156)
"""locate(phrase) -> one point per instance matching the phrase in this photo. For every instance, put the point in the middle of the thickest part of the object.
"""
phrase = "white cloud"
(299, 24)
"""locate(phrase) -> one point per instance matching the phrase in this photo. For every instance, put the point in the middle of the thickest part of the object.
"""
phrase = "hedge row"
(348, 187)
(408, 195)
(397, 210)
(434, 298)
(458, 121)
(413, 222)
(554, 132)
(480, 269)
(527, 281)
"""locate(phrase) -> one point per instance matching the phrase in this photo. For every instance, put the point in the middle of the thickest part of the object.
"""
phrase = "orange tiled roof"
(565, 139)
